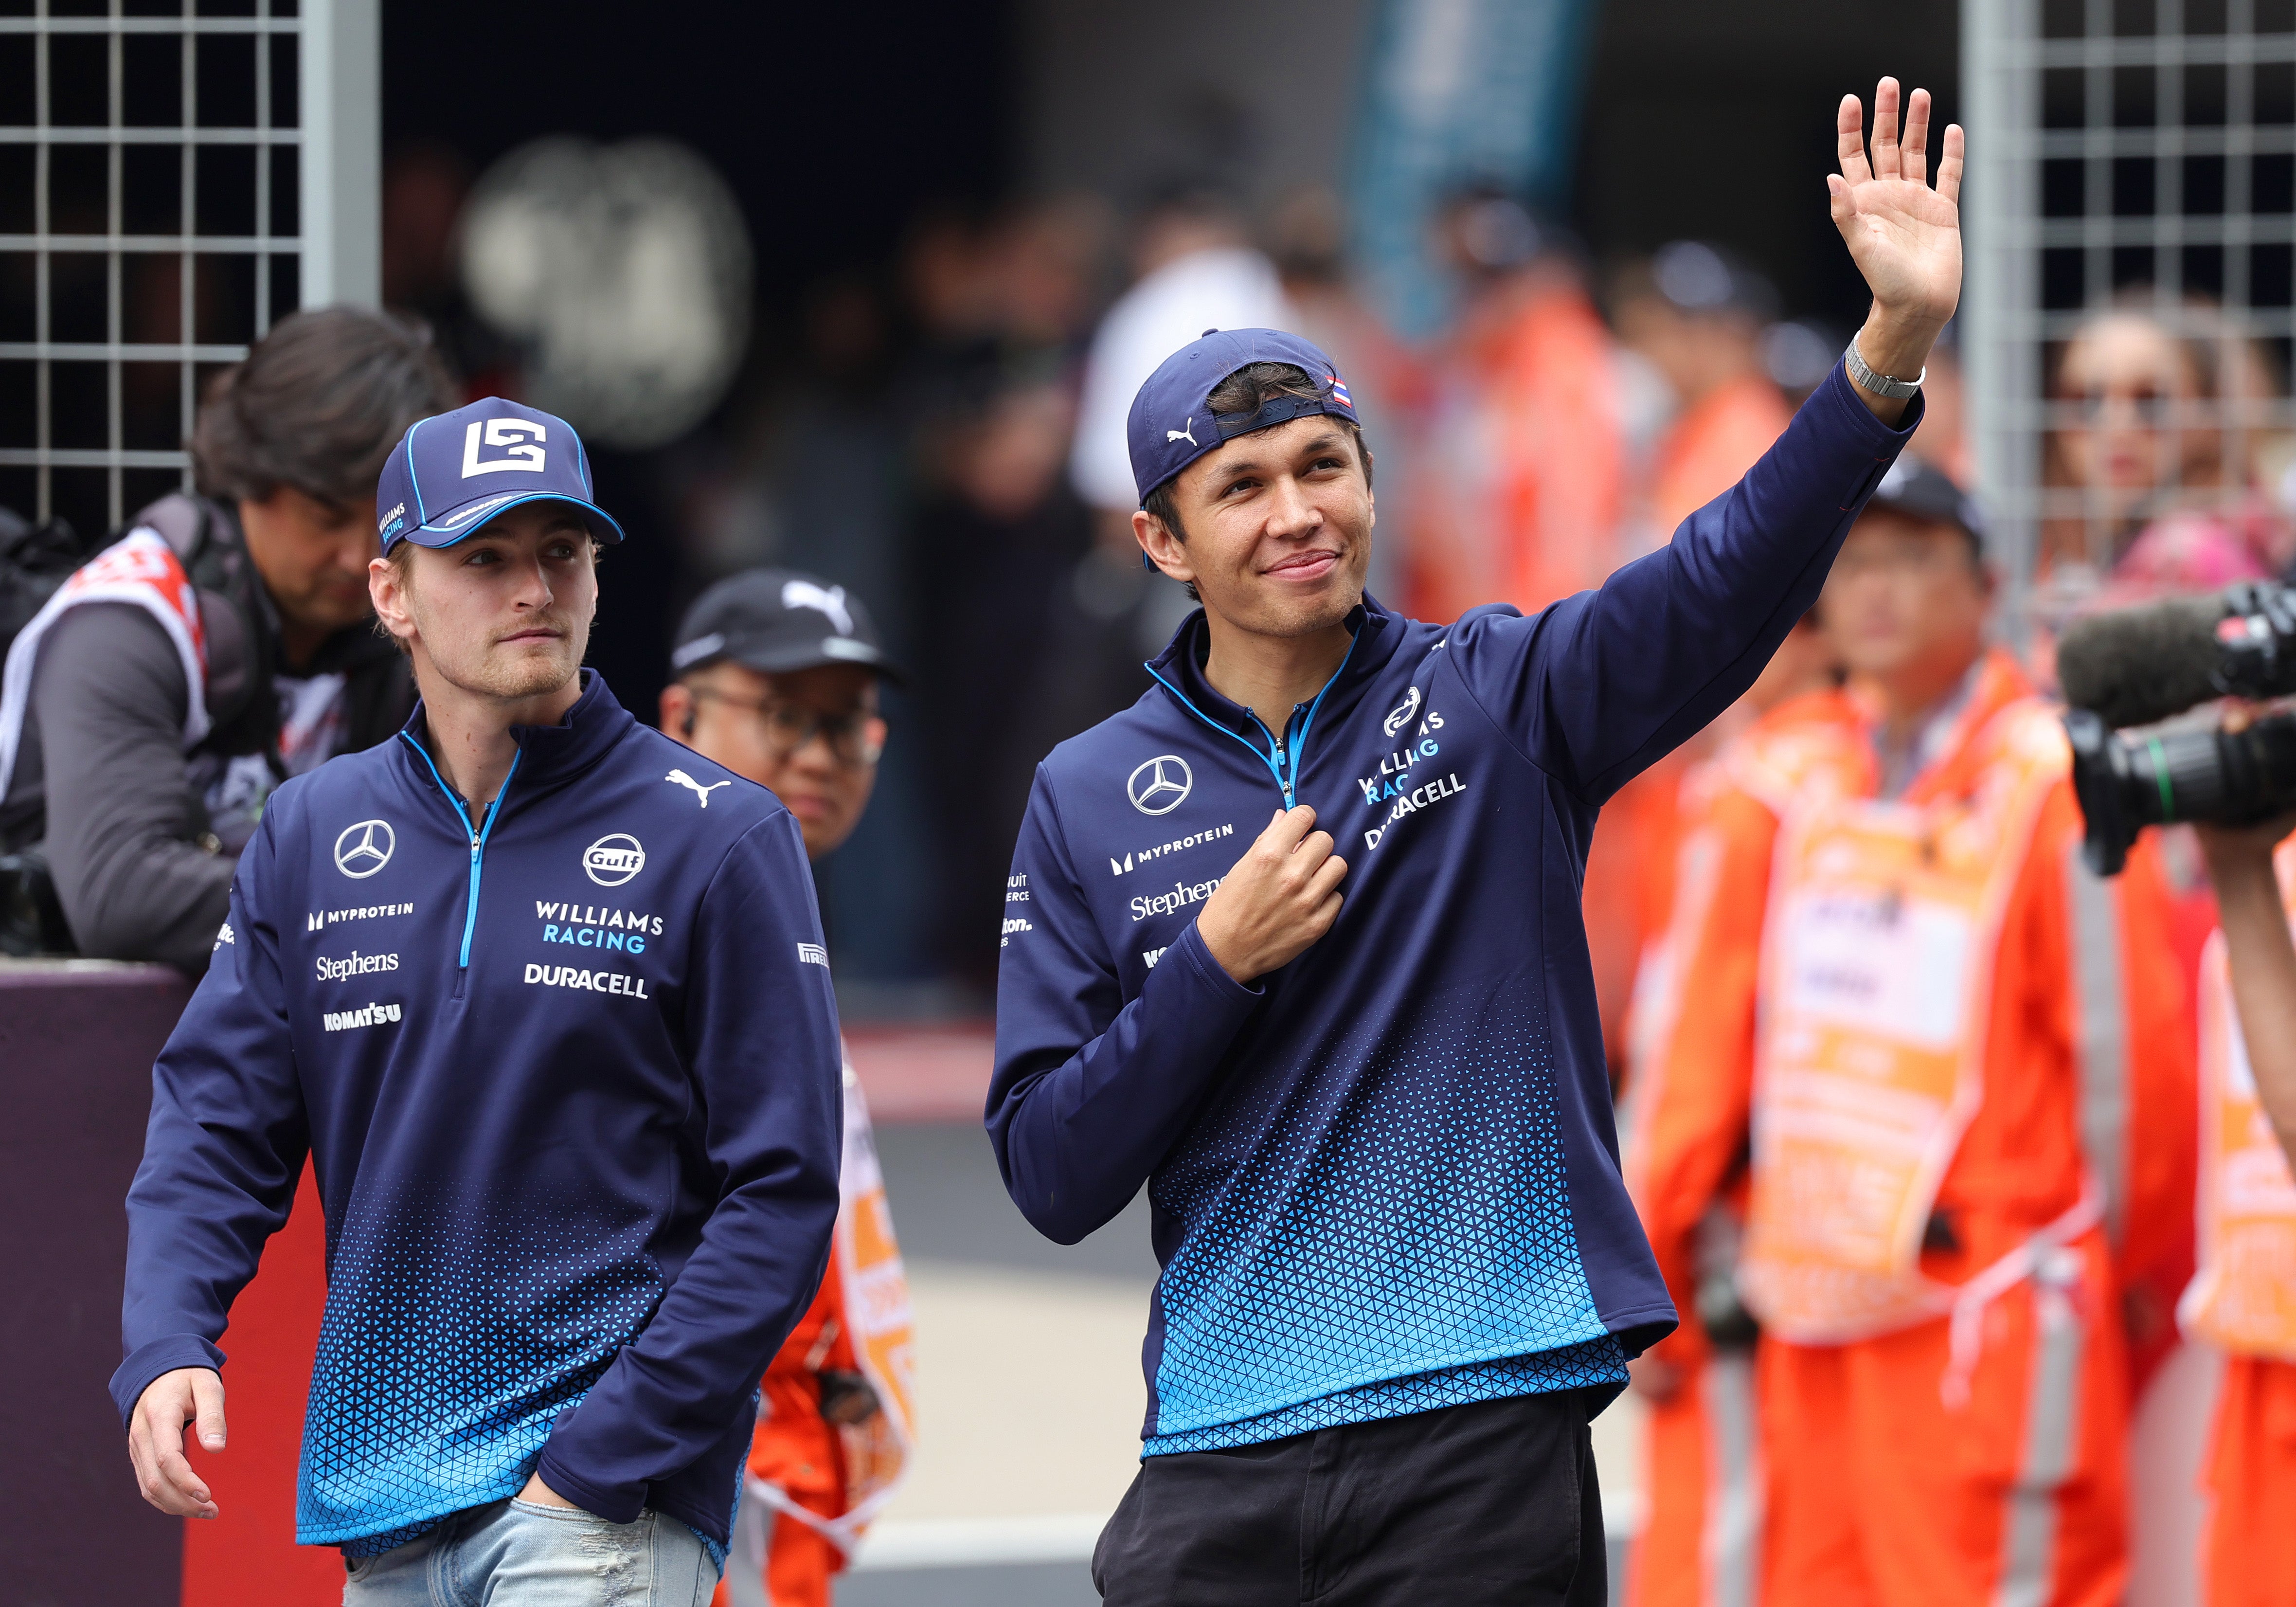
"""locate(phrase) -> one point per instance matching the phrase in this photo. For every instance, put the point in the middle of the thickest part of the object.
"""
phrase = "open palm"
(1905, 236)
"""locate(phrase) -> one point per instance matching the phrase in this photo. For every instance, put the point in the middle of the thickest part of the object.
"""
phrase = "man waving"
(1359, 1067)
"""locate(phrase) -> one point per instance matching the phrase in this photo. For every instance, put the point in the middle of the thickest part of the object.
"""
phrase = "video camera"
(2139, 666)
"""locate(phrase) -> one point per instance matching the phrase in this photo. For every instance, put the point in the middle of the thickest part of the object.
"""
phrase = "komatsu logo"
(1132, 861)
(367, 1015)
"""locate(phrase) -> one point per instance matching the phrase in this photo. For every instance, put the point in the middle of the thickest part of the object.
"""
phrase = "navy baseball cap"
(449, 474)
(774, 621)
(1172, 424)
(1919, 490)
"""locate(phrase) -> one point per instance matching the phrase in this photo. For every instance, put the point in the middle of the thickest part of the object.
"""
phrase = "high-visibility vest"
(878, 1326)
(1886, 922)
(2244, 1295)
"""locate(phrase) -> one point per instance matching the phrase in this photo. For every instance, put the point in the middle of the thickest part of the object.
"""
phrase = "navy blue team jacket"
(1384, 1177)
(568, 1074)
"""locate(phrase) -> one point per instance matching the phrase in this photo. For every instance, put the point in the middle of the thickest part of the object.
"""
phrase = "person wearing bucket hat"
(1296, 945)
(544, 995)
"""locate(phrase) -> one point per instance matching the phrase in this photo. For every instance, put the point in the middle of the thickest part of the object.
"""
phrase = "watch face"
(622, 272)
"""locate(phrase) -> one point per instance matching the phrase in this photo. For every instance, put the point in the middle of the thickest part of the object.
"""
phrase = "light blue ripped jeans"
(515, 1553)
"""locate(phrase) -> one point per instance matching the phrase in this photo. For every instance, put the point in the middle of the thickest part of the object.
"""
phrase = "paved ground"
(1029, 1389)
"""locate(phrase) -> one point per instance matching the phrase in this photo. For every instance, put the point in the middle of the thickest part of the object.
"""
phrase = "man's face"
(1278, 526)
(504, 613)
(1905, 595)
(313, 556)
(811, 735)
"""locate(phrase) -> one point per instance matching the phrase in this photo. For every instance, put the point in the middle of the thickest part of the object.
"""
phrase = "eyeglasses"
(789, 727)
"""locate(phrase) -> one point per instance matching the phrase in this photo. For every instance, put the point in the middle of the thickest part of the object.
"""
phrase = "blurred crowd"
(943, 435)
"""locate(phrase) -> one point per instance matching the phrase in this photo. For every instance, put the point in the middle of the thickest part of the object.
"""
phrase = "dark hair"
(1245, 392)
(317, 405)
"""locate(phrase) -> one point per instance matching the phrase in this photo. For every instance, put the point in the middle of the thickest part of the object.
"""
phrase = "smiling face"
(503, 614)
(1274, 528)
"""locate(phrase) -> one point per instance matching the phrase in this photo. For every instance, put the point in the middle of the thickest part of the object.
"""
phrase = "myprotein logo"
(364, 849)
(1140, 857)
(352, 964)
(1159, 785)
(613, 860)
(367, 1015)
(520, 440)
(319, 920)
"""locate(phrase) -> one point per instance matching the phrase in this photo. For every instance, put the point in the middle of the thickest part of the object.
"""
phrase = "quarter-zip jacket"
(568, 1072)
(1383, 1177)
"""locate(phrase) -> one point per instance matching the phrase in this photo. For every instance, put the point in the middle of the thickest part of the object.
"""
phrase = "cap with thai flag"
(451, 474)
(1172, 424)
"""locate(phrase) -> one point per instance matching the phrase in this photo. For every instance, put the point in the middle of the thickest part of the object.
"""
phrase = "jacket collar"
(1180, 666)
(550, 753)
(1948, 752)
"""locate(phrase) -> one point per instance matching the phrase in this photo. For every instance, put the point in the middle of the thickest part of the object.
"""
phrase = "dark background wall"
(833, 126)
(1716, 122)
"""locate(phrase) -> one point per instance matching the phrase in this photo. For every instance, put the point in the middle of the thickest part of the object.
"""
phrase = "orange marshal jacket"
(2087, 1062)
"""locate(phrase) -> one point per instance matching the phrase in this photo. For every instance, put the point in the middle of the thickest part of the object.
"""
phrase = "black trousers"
(1491, 1503)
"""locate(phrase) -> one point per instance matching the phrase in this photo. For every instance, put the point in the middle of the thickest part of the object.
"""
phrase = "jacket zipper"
(1282, 759)
(477, 836)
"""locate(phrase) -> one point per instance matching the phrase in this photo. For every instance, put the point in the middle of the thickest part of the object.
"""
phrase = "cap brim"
(457, 523)
(813, 655)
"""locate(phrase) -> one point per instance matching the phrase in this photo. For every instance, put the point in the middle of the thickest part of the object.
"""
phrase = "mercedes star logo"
(613, 860)
(364, 849)
(1161, 785)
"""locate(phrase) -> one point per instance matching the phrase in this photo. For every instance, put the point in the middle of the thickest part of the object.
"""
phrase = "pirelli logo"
(812, 954)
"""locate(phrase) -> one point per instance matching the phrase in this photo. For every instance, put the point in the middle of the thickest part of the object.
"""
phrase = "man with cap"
(1401, 1271)
(777, 677)
(1946, 1070)
(543, 997)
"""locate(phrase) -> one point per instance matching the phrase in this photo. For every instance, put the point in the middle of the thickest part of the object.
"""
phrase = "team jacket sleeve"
(762, 1041)
(223, 1149)
(1689, 1105)
(1090, 1092)
(1600, 685)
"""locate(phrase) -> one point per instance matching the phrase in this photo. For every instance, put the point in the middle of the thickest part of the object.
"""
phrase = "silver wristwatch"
(1878, 384)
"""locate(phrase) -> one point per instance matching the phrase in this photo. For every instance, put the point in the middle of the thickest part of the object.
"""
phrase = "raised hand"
(1904, 235)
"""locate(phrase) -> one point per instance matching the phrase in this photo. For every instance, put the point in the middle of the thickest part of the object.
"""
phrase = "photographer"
(221, 646)
(2242, 1298)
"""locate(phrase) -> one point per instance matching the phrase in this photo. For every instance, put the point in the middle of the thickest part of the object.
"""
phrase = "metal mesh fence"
(2133, 181)
(150, 229)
